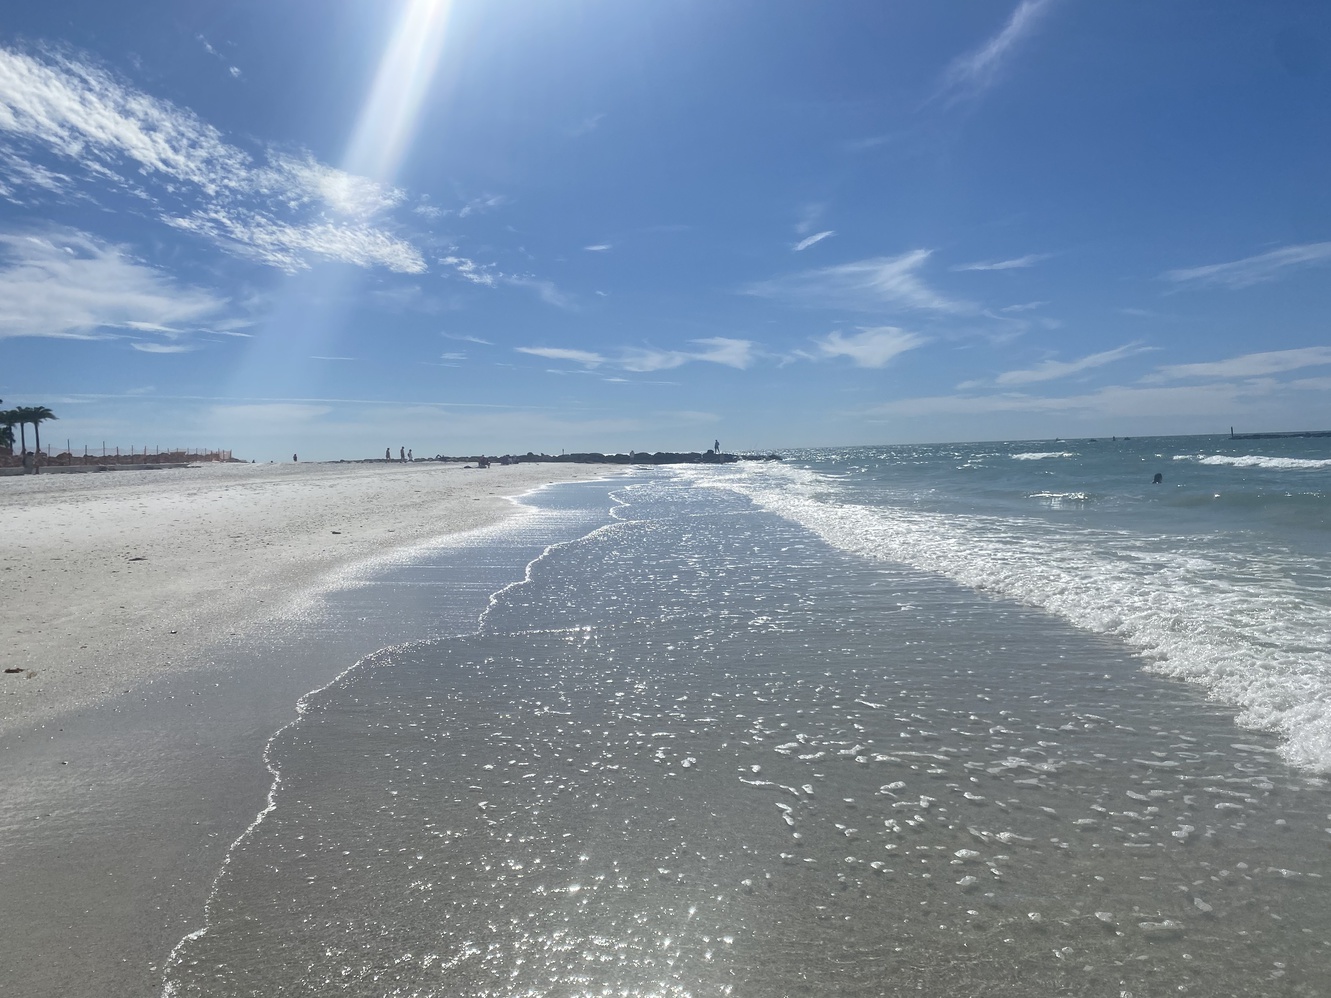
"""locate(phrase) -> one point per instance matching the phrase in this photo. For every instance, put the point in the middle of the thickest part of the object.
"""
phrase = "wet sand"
(166, 622)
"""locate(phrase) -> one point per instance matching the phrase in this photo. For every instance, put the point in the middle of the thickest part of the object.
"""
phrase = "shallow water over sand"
(699, 752)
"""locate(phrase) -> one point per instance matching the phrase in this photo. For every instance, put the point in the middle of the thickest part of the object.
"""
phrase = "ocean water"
(954, 720)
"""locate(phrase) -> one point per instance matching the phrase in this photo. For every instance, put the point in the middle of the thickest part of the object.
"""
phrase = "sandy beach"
(160, 622)
(117, 578)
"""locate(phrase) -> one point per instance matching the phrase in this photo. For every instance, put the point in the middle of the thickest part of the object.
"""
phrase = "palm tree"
(20, 419)
(7, 420)
(37, 415)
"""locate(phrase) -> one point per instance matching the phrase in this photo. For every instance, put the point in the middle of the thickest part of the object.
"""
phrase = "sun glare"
(387, 119)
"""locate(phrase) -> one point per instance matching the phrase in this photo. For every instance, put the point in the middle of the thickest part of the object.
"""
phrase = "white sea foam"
(1256, 461)
(1056, 498)
(1041, 455)
(1236, 621)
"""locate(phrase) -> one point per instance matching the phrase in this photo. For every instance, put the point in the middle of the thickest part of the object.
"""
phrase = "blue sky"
(335, 226)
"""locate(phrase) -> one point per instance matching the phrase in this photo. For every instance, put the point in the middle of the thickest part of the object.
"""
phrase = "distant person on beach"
(1158, 479)
(402, 453)
(29, 463)
(409, 457)
(717, 447)
(294, 459)
(388, 453)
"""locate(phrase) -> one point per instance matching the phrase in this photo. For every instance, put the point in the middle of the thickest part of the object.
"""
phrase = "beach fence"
(103, 455)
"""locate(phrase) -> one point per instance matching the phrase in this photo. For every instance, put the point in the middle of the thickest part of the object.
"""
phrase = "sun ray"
(387, 119)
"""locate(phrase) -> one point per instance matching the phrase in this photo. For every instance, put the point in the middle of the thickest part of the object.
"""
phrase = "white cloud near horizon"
(739, 354)
(871, 348)
(1051, 370)
(1252, 365)
(271, 212)
(1227, 389)
(973, 73)
(1252, 270)
(66, 284)
(1219, 400)
(268, 413)
(864, 285)
(1017, 263)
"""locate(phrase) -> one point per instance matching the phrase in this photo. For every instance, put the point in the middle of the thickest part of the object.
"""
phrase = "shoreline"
(134, 758)
(111, 581)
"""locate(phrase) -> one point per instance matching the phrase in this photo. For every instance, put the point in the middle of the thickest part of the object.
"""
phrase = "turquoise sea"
(964, 719)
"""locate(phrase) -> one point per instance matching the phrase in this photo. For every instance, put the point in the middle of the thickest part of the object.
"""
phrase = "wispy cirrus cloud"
(1253, 269)
(809, 216)
(490, 276)
(477, 205)
(1251, 365)
(586, 126)
(1215, 400)
(151, 347)
(345, 193)
(67, 284)
(17, 174)
(1051, 370)
(812, 240)
(283, 211)
(544, 289)
(1016, 263)
(971, 74)
(586, 358)
(1246, 385)
(874, 348)
(290, 247)
(724, 350)
(736, 353)
(470, 270)
(467, 338)
(863, 285)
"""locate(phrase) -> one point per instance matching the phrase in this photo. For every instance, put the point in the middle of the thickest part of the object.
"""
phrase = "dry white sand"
(116, 809)
(113, 579)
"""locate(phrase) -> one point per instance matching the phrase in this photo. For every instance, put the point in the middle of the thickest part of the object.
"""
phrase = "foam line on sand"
(115, 579)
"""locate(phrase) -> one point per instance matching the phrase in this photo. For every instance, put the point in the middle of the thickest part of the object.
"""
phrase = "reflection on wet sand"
(697, 753)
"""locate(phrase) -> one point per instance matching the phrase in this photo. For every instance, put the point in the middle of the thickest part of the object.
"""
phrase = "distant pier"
(1277, 436)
